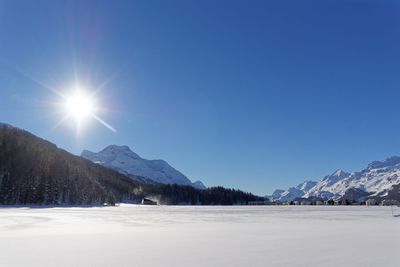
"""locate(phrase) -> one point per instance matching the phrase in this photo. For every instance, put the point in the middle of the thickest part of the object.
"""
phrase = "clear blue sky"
(255, 95)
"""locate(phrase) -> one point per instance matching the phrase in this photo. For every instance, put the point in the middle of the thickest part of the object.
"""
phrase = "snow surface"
(132, 235)
(125, 161)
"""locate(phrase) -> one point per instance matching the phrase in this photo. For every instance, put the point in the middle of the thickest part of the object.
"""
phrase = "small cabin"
(146, 201)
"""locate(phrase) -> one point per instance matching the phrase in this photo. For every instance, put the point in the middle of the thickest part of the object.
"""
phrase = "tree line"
(34, 171)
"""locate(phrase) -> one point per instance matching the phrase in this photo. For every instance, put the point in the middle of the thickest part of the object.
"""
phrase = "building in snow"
(146, 201)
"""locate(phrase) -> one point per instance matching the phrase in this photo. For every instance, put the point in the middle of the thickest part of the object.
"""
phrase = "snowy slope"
(124, 160)
(323, 187)
(378, 179)
(292, 192)
(306, 185)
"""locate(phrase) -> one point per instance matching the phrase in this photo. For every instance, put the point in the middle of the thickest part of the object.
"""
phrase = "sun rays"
(80, 105)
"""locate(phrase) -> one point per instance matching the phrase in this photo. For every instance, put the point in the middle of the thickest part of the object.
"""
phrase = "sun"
(80, 105)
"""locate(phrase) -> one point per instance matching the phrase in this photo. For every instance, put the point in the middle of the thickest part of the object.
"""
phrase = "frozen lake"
(132, 235)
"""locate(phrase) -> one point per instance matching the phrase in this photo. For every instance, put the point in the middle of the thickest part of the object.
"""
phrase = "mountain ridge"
(125, 161)
(378, 179)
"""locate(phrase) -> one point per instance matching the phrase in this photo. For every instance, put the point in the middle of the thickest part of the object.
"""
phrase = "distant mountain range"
(125, 161)
(381, 180)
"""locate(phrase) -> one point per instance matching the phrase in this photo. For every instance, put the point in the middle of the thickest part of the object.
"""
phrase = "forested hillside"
(35, 171)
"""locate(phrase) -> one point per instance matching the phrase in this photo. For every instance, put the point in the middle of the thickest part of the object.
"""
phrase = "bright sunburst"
(79, 105)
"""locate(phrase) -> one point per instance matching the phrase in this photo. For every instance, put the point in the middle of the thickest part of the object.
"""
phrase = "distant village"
(301, 202)
(331, 202)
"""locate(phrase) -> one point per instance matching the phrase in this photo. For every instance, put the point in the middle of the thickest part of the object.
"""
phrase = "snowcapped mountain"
(322, 188)
(379, 179)
(306, 185)
(125, 161)
(276, 194)
(292, 192)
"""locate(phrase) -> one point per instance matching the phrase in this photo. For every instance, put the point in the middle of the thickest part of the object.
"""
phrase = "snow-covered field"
(132, 235)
